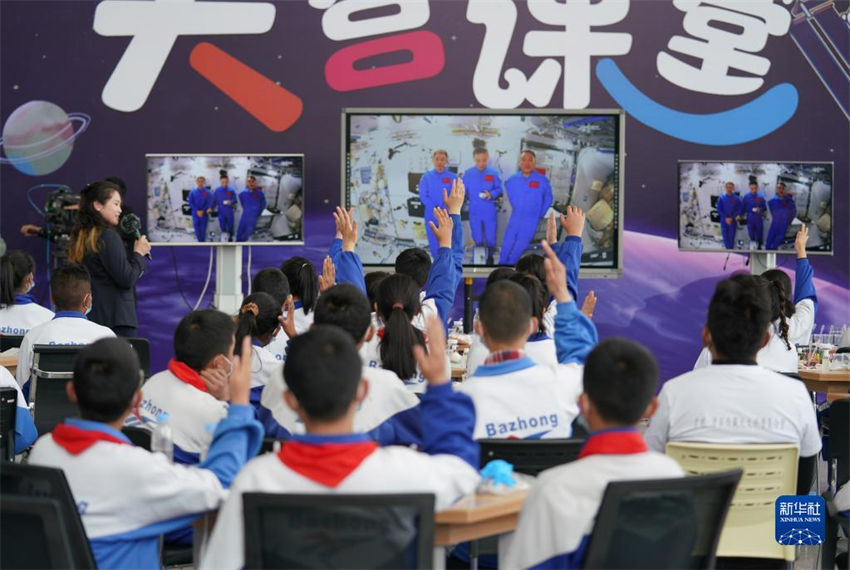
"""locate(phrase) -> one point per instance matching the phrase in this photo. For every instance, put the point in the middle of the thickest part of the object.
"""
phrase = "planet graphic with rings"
(38, 137)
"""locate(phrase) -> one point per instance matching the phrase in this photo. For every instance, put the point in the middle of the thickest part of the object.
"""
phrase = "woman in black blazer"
(114, 270)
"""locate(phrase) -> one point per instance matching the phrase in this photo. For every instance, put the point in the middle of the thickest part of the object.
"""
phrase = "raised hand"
(551, 229)
(287, 318)
(454, 200)
(328, 277)
(556, 275)
(443, 229)
(573, 221)
(432, 363)
(240, 378)
(800, 241)
(346, 228)
(589, 305)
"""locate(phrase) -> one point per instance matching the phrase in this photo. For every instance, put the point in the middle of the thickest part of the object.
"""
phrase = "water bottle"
(162, 440)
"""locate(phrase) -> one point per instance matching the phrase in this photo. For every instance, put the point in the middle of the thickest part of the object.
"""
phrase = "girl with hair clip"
(791, 322)
(114, 270)
(304, 286)
(19, 311)
(259, 318)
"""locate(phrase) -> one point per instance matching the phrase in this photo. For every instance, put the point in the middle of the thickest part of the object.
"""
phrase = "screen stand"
(228, 278)
(761, 262)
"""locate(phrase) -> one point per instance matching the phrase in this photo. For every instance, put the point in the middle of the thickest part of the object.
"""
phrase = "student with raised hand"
(259, 320)
(348, 266)
(127, 496)
(304, 285)
(734, 400)
(271, 280)
(325, 388)
(19, 311)
(791, 323)
(557, 519)
(387, 412)
(25, 431)
(70, 292)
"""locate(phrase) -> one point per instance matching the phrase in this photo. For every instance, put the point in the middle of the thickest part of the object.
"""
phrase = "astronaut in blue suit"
(201, 201)
(431, 187)
(755, 205)
(225, 202)
(530, 195)
(783, 210)
(253, 202)
(483, 187)
(730, 208)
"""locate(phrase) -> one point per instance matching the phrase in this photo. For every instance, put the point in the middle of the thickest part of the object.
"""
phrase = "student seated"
(258, 319)
(70, 292)
(194, 391)
(323, 376)
(304, 286)
(271, 280)
(19, 311)
(388, 411)
(734, 400)
(791, 323)
(25, 432)
(127, 497)
(554, 527)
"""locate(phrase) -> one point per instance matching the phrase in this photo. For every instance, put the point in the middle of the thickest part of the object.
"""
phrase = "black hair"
(536, 293)
(781, 307)
(106, 377)
(85, 237)
(202, 335)
(322, 371)
(119, 183)
(15, 265)
(505, 311)
(620, 378)
(479, 150)
(533, 265)
(415, 263)
(499, 274)
(738, 316)
(531, 152)
(398, 303)
(373, 279)
(303, 281)
(223, 174)
(271, 280)
(345, 306)
(262, 324)
(69, 285)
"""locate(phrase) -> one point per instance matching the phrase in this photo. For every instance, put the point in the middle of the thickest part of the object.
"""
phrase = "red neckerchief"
(75, 440)
(614, 442)
(186, 374)
(327, 464)
(503, 356)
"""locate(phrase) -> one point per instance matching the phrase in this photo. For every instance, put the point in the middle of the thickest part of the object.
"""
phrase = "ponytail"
(537, 293)
(398, 302)
(14, 267)
(780, 302)
(303, 281)
(258, 316)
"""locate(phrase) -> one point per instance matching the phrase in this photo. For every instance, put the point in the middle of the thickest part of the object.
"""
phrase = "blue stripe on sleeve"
(25, 432)
(804, 282)
(403, 428)
(442, 282)
(237, 438)
(575, 334)
(349, 269)
(448, 420)
(569, 253)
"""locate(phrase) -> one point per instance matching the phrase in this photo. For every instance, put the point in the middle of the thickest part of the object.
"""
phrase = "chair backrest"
(770, 470)
(8, 413)
(839, 438)
(338, 531)
(531, 456)
(52, 367)
(25, 489)
(142, 347)
(140, 436)
(661, 523)
(8, 341)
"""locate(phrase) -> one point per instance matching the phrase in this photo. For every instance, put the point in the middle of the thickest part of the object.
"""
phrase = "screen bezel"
(300, 242)
(791, 251)
(482, 271)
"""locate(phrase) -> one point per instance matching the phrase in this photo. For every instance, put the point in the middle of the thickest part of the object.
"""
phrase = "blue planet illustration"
(38, 137)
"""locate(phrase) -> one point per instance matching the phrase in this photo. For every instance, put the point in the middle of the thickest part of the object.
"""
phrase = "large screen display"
(518, 167)
(754, 206)
(213, 199)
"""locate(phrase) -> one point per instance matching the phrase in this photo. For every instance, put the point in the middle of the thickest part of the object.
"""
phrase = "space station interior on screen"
(194, 199)
(396, 175)
(754, 206)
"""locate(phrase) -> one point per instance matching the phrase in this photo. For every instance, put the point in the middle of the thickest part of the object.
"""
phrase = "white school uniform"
(264, 367)
(560, 511)
(734, 404)
(549, 317)
(370, 354)
(521, 399)
(303, 321)
(428, 307)
(25, 432)
(541, 351)
(19, 318)
(65, 328)
(278, 346)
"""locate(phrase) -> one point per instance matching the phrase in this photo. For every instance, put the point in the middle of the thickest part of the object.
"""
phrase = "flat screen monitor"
(754, 206)
(397, 162)
(206, 199)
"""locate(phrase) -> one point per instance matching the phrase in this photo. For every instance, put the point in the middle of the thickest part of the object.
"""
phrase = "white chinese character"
(813, 509)
(155, 26)
(722, 48)
(785, 508)
(800, 508)
(337, 24)
(576, 44)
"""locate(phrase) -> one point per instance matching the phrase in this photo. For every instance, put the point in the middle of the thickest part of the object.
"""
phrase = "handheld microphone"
(130, 225)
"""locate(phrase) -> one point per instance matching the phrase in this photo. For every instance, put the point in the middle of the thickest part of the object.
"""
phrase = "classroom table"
(834, 383)
(10, 362)
(478, 516)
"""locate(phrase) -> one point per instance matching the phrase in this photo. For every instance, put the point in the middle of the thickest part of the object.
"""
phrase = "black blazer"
(114, 272)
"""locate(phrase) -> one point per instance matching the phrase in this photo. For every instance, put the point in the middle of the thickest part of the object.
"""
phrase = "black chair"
(8, 414)
(141, 437)
(531, 456)
(338, 531)
(142, 347)
(834, 522)
(838, 424)
(52, 367)
(661, 523)
(8, 341)
(28, 524)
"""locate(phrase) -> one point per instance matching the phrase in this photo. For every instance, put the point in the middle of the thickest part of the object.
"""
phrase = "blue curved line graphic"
(746, 123)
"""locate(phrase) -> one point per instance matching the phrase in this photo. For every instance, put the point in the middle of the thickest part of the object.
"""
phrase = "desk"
(478, 516)
(10, 362)
(834, 383)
